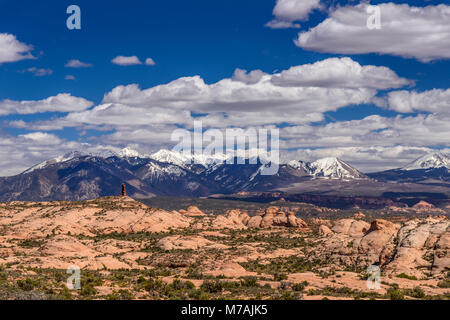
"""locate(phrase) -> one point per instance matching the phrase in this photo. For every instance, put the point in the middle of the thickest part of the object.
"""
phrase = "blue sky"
(210, 39)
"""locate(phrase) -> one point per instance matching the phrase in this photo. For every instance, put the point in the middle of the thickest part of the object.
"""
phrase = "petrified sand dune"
(193, 211)
(232, 219)
(120, 233)
(273, 217)
(183, 243)
(350, 227)
(51, 229)
(324, 230)
(423, 205)
(416, 248)
(66, 246)
(100, 216)
(423, 244)
(229, 269)
(359, 215)
(319, 222)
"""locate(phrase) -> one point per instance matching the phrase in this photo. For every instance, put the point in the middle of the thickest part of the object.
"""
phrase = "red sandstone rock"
(423, 205)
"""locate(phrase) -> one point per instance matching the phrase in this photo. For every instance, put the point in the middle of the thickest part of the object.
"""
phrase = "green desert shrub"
(199, 295)
(88, 290)
(299, 286)
(154, 285)
(179, 285)
(210, 286)
(189, 285)
(65, 293)
(417, 292)
(395, 293)
(27, 284)
(280, 276)
(444, 284)
(405, 276)
(249, 281)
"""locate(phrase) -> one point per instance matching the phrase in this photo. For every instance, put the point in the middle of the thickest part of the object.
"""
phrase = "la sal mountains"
(80, 176)
(431, 168)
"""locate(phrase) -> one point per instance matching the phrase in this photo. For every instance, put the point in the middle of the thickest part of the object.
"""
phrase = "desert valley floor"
(128, 250)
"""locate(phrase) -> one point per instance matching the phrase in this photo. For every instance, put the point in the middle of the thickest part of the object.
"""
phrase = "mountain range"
(430, 168)
(80, 176)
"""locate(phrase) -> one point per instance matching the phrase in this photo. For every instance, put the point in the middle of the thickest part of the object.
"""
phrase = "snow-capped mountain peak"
(124, 153)
(129, 153)
(328, 168)
(68, 156)
(169, 156)
(429, 161)
(334, 168)
(180, 159)
(299, 164)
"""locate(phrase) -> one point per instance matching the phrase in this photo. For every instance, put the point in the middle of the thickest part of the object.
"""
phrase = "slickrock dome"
(273, 217)
(395, 248)
(324, 230)
(421, 205)
(193, 211)
(359, 215)
(183, 243)
(350, 227)
(232, 219)
(381, 224)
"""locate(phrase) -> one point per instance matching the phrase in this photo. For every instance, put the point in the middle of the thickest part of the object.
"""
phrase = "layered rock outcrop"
(419, 247)
(359, 215)
(350, 227)
(272, 217)
(423, 205)
(193, 211)
(324, 230)
(232, 219)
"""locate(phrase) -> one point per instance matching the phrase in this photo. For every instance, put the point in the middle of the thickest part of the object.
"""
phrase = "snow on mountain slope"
(154, 170)
(298, 164)
(124, 153)
(128, 152)
(429, 161)
(178, 158)
(168, 156)
(59, 159)
(334, 168)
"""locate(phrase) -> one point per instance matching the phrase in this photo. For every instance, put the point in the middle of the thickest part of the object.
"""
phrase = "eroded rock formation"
(193, 211)
(272, 217)
(419, 247)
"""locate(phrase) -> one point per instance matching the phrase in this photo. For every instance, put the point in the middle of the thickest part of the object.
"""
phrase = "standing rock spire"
(124, 190)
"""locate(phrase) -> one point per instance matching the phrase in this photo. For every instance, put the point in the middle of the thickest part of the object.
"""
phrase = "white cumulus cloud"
(248, 77)
(339, 73)
(435, 101)
(410, 32)
(299, 95)
(149, 62)
(75, 63)
(12, 50)
(62, 102)
(288, 11)
(126, 61)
